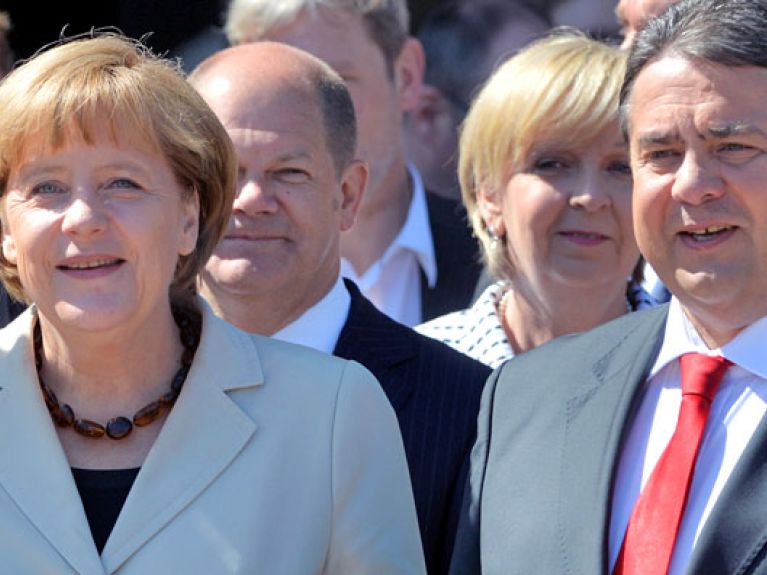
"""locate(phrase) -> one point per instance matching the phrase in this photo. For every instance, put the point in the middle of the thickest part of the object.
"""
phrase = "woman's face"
(566, 215)
(96, 229)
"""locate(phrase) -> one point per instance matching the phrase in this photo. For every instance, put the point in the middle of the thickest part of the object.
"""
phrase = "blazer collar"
(201, 436)
(596, 418)
(38, 477)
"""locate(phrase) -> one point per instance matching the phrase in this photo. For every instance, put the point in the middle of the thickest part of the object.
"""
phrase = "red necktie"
(651, 532)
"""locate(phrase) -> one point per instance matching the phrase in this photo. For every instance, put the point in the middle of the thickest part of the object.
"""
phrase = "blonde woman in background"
(545, 178)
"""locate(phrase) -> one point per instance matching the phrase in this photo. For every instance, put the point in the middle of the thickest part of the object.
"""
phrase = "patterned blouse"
(478, 333)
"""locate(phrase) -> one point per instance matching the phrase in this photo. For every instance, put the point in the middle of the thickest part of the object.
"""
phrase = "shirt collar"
(415, 234)
(320, 326)
(745, 350)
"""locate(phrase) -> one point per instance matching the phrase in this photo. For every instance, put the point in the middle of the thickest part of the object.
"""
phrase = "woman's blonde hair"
(561, 88)
(78, 83)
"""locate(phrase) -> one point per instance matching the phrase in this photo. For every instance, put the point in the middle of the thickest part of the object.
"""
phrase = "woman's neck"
(530, 320)
(103, 374)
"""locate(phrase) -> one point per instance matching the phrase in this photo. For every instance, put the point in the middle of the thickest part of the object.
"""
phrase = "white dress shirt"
(735, 413)
(393, 283)
(320, 326)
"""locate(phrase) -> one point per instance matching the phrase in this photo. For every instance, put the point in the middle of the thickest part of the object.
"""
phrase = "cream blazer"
(276, 459)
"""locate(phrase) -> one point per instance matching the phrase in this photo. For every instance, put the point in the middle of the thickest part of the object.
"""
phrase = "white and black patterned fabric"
(478, 333)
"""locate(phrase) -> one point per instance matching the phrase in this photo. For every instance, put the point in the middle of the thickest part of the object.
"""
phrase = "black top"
(103, 493)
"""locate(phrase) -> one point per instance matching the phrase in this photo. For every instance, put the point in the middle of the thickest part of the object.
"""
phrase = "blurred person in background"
(546, 181)
(463, 42)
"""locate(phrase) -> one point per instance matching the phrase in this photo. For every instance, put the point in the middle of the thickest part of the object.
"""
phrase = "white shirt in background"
(393, 283)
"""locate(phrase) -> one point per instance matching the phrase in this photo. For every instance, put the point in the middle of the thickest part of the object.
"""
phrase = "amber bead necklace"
(189, 326)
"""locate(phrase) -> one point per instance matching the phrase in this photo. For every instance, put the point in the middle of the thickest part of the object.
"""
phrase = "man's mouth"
(707, 234)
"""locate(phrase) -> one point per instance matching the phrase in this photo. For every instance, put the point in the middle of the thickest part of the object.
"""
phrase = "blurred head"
(463, 43)
(634, 14)
(692, 106)
(292, 123)
(543, 168)
(6, 55)
(366, 42)
(111, 91)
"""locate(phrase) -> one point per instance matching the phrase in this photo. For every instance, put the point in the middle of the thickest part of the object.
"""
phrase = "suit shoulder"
(567, 355)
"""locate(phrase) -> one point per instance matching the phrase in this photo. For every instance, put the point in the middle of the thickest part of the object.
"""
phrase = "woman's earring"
(493, 238)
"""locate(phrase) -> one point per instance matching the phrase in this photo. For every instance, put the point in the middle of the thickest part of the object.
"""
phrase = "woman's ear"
(190, 224)
(9, 246)
(490, 206)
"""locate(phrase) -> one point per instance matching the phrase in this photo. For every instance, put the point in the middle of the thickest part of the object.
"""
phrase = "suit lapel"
(379, 343)
(36, 474)
(735, 533)
(202, 435)
(596, 420)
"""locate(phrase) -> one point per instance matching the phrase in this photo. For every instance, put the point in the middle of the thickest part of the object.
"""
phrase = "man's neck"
(264, 314)
(375, 229)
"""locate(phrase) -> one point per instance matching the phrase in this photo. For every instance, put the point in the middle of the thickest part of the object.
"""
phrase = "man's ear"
(353, 182)
(409, 68)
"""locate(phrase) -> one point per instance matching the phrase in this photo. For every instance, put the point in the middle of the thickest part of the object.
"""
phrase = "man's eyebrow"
(735, 129)
(658, 138)
(298, 154)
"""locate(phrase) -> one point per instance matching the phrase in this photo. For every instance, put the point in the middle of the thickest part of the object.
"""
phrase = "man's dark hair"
(457, 36)
(338, 119)
(730, 33)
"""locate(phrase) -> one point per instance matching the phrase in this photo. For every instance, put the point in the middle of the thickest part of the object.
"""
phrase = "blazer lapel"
(735, 534)
(202, 435)
(36, 474)
(379, 343)
(596, 419)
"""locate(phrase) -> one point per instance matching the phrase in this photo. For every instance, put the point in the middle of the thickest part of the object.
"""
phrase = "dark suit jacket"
(10, 309)
(435, 392)
(457, 255)
(551, 428)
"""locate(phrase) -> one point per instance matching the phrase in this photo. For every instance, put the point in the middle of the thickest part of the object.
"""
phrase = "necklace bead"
(190, 328)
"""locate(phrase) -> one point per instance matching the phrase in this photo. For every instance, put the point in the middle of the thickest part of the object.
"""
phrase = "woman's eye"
(550, 164)
(620, 167)
(46, 188)
(122, 184)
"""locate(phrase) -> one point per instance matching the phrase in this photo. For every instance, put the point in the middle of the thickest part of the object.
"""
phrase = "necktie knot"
(702, 374)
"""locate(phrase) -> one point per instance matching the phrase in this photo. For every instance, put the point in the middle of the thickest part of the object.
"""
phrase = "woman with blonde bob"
(545, 178)
(140, 433)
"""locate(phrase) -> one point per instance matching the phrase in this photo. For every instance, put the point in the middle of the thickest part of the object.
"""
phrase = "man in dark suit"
(411, 254)
(641, 446)
(276, 272)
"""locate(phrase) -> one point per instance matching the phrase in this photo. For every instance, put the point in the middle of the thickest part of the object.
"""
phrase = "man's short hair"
(337, 109)
(457, 37)
(387, 21)
(726, 32)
